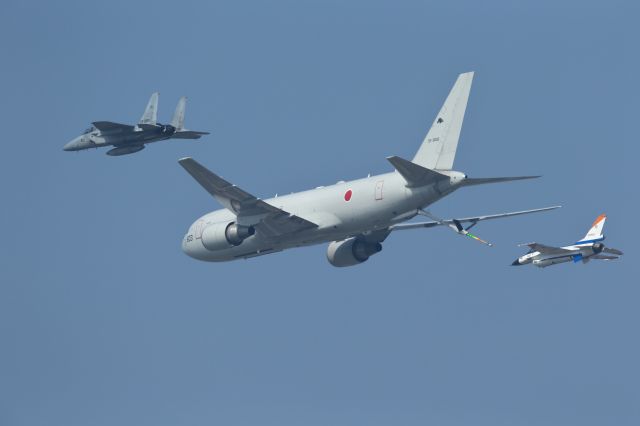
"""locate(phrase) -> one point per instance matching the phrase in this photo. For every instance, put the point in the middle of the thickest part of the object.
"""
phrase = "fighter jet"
(590, 247)
(128, 139)
(354, 217)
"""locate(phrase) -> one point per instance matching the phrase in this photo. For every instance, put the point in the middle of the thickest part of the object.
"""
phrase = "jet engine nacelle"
(219, 236)
(351, 252)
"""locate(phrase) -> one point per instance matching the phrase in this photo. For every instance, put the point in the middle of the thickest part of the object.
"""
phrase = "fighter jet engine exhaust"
(168, 129)
(351, 252)
(220, 236)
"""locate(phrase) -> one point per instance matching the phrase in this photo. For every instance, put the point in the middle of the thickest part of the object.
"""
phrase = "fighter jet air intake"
(353, 217)
(128, 139)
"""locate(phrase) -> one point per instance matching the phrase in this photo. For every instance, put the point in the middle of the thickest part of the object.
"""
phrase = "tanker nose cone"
(516, 263)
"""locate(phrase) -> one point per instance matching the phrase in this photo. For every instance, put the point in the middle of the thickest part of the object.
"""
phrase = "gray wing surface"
(111, 127)
(549, 249)
(270, 220)
(604, 257)
(403, 226)
(188, 134)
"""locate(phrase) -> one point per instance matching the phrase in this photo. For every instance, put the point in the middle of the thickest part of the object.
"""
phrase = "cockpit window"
(89, 130)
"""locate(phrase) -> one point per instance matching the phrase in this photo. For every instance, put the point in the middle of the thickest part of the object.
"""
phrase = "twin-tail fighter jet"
(354, 217)
(590, 247)
(128, 139)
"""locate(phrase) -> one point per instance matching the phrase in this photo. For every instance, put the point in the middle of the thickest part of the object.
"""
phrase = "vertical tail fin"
(438, 150)
(595, 233)
(150, 115)
(178, 117)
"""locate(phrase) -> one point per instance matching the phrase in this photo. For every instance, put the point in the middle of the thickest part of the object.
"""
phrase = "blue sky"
(104, 321)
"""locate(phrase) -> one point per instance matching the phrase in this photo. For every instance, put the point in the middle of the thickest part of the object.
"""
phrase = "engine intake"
(220, 236)
(351, 252)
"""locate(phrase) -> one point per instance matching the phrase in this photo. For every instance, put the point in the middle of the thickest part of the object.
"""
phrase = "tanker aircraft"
(355, 217)
(128, 139)
(590, 247)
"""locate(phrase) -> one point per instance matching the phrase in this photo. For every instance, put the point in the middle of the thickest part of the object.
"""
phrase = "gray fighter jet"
(128, 139)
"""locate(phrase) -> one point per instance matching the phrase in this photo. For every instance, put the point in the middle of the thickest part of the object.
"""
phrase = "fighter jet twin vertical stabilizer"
(128, 139)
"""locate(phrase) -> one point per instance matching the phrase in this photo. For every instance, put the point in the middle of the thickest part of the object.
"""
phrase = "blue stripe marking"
(588, 241)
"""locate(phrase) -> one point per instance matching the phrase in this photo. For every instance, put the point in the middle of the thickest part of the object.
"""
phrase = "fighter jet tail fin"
(150, 115)
(438, 150)
(178, 116)
(595, 233)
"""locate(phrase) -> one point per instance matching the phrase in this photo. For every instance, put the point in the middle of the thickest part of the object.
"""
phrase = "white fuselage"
(575, 252)
(342, 210)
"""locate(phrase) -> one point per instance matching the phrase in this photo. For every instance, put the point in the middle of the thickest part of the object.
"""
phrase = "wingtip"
(184, 159)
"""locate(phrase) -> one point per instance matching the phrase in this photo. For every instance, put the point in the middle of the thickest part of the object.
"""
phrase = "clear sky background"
(104, 321)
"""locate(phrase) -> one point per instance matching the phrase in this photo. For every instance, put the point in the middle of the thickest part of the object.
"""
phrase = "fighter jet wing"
(269, 220)
(188, 134)
(548, 249)
(111, 127)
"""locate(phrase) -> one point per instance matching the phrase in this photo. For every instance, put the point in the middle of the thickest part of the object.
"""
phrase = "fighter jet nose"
(72, 145)
(516, 263)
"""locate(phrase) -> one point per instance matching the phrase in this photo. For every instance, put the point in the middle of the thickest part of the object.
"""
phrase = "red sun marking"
(347, 195)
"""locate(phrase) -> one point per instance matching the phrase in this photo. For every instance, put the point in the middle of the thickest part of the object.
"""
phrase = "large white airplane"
(355, 216)
(590, 247)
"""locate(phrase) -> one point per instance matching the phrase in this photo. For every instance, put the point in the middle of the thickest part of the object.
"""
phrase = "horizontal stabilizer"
(604, 257)
(482, 181)
(188, 134)
(612, 251)
(414, 174)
